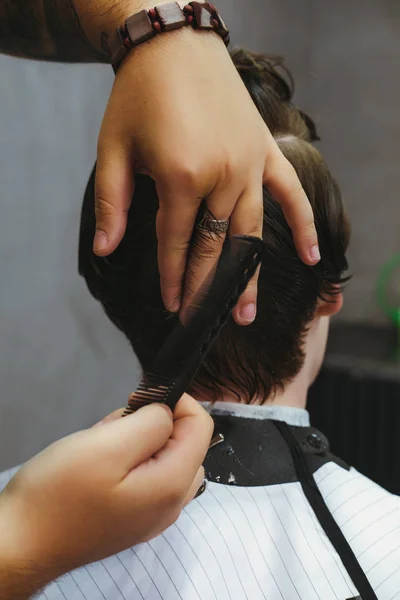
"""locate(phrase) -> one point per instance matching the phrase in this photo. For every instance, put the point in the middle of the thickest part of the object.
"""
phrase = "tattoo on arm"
(45, 29)
(66, 31)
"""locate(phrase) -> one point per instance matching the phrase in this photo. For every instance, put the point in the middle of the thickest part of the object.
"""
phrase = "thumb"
(114, 188)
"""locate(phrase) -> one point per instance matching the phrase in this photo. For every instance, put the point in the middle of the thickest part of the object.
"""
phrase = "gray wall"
(62, 365)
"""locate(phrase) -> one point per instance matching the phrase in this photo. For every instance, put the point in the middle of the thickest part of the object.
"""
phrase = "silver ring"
(212, 225)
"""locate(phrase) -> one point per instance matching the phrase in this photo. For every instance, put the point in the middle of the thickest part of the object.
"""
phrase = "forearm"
(25, 567)
(19, 582)
(61, 30)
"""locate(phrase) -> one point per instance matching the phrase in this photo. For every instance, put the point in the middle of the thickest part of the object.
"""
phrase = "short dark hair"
(247, 361)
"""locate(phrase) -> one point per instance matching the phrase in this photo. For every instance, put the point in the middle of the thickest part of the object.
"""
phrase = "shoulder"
(369, 517)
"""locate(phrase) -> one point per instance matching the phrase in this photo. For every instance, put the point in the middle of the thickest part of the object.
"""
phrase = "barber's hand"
(179, 112)
(101, 490)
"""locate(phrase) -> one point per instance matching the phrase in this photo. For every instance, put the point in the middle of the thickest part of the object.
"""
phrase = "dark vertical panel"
(360, 414)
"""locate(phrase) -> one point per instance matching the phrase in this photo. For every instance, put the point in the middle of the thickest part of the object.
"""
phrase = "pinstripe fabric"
(236, 543)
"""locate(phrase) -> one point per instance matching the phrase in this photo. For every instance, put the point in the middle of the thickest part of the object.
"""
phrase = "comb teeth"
(152, 388)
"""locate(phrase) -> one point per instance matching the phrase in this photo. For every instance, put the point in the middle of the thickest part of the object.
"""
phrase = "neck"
(294, 394)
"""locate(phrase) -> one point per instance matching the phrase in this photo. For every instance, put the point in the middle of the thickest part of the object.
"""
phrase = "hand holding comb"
(180, 356)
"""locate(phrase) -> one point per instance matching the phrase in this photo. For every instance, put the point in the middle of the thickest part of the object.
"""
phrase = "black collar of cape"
(254, 452)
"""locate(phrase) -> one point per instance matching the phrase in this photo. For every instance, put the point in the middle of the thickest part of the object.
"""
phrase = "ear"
(328, 309)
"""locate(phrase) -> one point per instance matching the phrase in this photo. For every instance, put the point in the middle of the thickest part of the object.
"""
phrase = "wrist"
(99, 18)
(126, 25)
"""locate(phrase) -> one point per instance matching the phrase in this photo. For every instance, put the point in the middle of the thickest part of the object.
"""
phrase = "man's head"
(294, 300)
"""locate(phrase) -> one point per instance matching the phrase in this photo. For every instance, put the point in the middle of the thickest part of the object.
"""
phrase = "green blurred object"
(388, 294)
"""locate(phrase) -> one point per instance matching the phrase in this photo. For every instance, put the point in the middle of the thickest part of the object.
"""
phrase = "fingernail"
(100, 241)
(315, 254)
(248, 313)
(174, 306)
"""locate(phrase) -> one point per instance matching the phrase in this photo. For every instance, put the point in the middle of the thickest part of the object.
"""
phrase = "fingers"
(113, 195)
(175, 223)
(126, 443)
(282, 182)
(207, 246)
(176, 464)
(247, 219)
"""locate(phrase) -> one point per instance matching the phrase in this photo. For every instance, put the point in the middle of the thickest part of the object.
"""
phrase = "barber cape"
(281, 518)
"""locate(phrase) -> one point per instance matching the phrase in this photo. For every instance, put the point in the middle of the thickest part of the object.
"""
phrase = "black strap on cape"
(324, 515)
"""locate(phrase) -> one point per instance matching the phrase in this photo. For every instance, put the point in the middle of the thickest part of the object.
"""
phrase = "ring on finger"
(210, 224)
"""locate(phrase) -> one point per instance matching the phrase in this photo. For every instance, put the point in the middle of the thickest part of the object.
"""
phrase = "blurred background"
(62, 365)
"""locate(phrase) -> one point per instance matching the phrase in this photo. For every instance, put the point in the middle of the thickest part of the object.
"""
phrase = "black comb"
(180, 356)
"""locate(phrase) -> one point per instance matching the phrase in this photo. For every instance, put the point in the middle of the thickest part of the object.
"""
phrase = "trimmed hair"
(257, 360)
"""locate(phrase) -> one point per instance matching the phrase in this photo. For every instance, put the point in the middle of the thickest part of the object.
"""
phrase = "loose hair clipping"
(180, 356)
